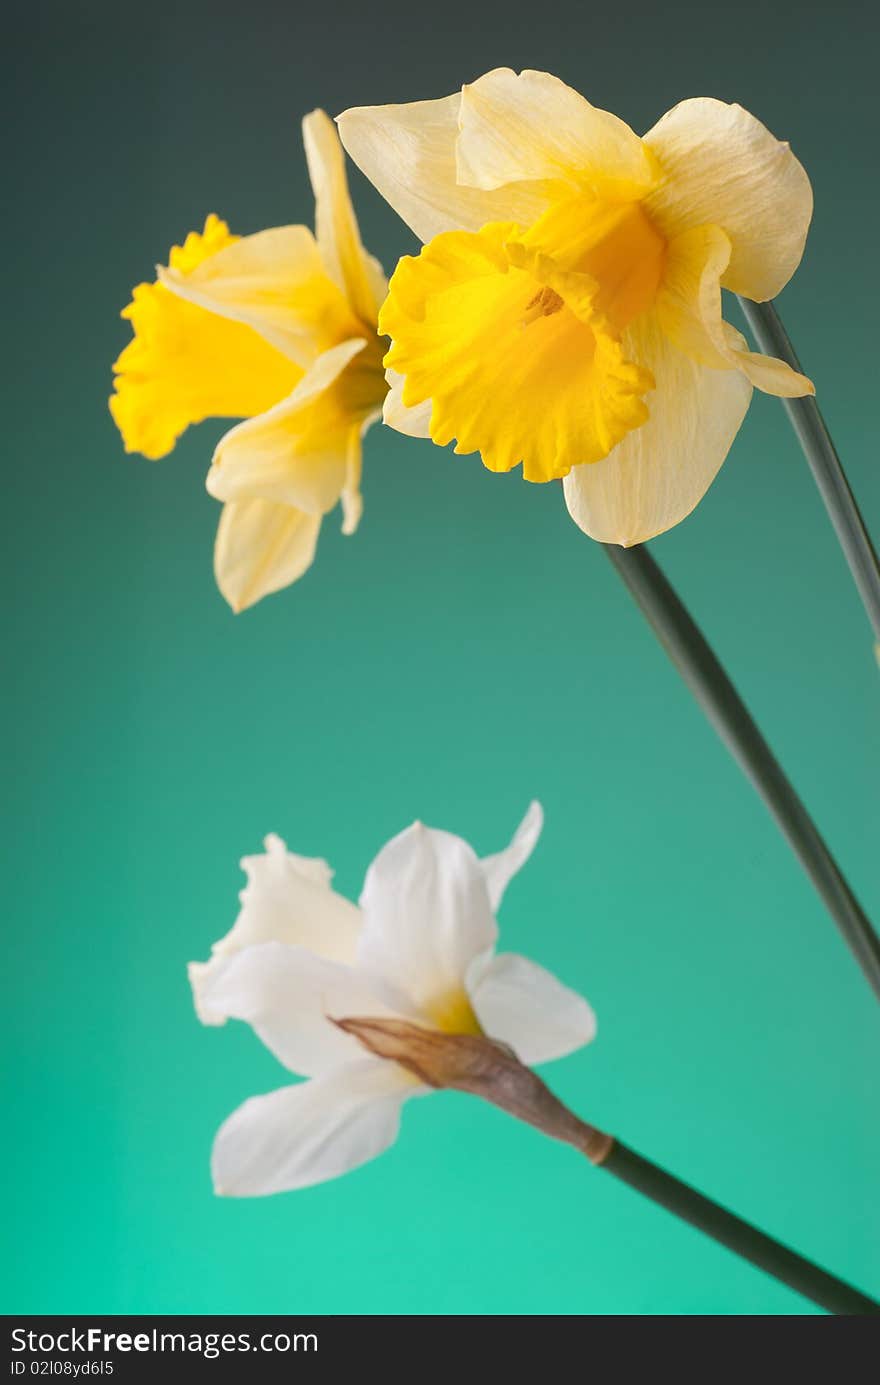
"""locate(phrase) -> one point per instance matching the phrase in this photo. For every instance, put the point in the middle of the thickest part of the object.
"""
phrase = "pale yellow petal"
(351, 498)
(408, 154)
(689, 301)
(261, 547)
(297, 453)
(689, 311)
(722, 166)
(415, 422)
(661, 471)
(358, 274)
(275, 282)
(530, 126)
(766, 373)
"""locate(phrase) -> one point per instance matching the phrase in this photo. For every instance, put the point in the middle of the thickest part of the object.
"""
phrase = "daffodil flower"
(277, 329)
(566, 308)
(314, 975)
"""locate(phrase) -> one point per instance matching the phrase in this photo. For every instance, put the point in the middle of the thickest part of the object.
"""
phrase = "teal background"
(467, 650)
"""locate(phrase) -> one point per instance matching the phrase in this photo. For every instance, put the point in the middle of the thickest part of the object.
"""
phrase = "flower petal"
(261, 547)
(500, 869)
(290, 996)
(689, 311)
(408, 154)
(300, 1135)
(660, 472)
(689, 301)
(426, 915)
(351, 498)
(525, 1006)
(530, 126)
(358, 275)
(185, 363)
(415, 422)
(723, 166)
(766, 373)
(287, 899)
(297, 453)
(274, 281)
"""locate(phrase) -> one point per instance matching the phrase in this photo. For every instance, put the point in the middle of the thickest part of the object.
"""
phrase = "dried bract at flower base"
(483, 1067)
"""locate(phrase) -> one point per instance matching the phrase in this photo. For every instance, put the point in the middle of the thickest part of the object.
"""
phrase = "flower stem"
(486, 1068)
(828, 473)
(692, 656)
(802, 1275)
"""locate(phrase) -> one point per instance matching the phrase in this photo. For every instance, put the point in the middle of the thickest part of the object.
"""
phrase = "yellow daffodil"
(565, 310)
(277, 329)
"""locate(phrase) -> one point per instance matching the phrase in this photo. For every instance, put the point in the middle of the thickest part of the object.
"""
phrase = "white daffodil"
(277, 329)
(416, 958)
(566, 309)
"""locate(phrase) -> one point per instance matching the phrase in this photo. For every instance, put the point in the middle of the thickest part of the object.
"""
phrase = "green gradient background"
(467, 650)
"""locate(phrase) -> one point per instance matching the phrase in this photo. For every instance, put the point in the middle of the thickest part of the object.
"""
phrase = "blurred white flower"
(420, 950)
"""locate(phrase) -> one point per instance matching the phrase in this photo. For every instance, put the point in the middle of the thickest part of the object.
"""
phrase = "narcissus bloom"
(277, 329)
(301, 962)
(565, 311)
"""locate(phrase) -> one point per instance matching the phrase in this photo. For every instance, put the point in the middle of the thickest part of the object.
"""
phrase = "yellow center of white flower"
(453, 1013)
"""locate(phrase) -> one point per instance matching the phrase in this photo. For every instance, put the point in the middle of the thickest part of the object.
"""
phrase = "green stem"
(825, 464)
(689, 651)
(802, 1275)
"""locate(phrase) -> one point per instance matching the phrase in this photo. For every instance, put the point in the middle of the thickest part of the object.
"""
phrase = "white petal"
(661, 471)
(296, 453)
(301, 1135)
(408, 152)
(426, 913)
(358, 275)
(287, 899)
(723, 166)
(261, 547)
(525, 1006)
(275, 282)
(290, 996)
(414, 421)
(500, 869)
(530, 126)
